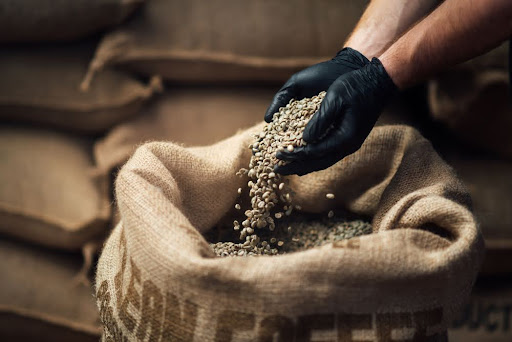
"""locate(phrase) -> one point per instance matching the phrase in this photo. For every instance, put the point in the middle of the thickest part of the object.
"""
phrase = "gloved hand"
(346, 116)
(315, 79)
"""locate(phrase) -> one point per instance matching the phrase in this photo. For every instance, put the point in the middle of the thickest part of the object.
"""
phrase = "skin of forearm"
(456, 31)
(384, 21)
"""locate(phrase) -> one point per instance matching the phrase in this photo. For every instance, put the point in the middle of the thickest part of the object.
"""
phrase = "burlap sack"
(229, 40)
(194, 116)
(157, 279)
(47, 20)
(39, 299)
(49, 194)
(488, 315)
(459, 97)
(41, 85)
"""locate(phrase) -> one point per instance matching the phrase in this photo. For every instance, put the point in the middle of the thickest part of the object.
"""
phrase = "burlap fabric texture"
(41, 85)
(41, 298)
(50, 20)
(192, 116)
(228, 40)
(158, 280)
(50, 194)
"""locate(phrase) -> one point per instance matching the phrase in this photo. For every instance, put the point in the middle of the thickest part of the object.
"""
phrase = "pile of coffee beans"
(292, 234)
(271, 199)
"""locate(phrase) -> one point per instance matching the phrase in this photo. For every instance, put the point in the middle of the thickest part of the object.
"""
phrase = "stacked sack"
(53, 204)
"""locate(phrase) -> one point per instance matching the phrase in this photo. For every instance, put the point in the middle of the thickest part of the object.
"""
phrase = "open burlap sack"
(229, 40)
(157, 278)
(49, 194)
(459, 97)
(48, 20)
(40, 299)
(42, 86)
(193, 116)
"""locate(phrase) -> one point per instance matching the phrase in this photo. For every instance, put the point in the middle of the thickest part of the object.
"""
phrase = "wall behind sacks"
(51, 20)
(229, 40)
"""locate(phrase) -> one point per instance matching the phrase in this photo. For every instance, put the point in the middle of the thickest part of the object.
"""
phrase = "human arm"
(384, 21)
(457, 30)
(381, 24)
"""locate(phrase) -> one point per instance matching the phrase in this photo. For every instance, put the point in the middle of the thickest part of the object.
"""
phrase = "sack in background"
(42, 86)
(488, 315)
(47, 20)
(39, 299)
(157, 277)
(229, 40)
(191, 116)
(473, 101)
(490, 184)
(49, 194)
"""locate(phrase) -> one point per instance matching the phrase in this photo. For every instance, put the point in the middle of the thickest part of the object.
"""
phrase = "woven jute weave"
(158, 279)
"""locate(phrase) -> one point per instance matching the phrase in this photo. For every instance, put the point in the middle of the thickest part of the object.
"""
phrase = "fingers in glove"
(304, 167)
(317, 156)
(330, 111)
(341, 141)
(309, 152)
(281, 99)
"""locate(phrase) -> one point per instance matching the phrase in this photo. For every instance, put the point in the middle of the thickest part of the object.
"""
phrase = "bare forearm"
(384, 21)
(456, 31)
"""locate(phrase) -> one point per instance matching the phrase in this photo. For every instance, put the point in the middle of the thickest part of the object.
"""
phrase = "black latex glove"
(346, 116)
(315, 79)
